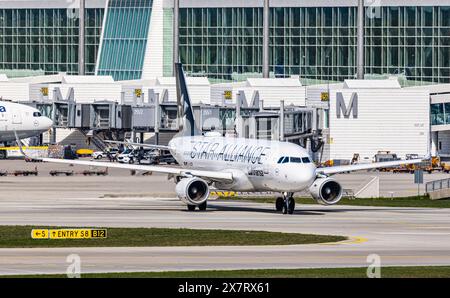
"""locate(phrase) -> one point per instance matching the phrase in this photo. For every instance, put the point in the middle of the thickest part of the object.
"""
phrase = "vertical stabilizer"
(185, 110)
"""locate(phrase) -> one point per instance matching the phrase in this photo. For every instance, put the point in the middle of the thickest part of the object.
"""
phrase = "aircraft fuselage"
(256, 165)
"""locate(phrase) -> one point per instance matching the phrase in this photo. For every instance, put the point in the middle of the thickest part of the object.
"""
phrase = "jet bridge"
(63, 114)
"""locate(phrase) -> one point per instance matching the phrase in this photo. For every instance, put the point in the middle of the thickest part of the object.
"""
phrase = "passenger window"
(306, 160)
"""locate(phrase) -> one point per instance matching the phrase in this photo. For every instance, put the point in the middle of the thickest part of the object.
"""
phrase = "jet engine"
(326, 191)
(192, 191)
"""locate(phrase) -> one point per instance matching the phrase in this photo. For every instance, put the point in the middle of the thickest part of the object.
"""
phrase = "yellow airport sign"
(44, 91)
(39, 234)
(138, 92)
(228, 94)
(68, 233)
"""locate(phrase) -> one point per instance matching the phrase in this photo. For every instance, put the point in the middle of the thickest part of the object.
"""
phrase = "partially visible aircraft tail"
(185, 110)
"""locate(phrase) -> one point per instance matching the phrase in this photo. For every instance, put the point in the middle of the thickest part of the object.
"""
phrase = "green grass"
(379, 202)
(386, 272)
(20, 236)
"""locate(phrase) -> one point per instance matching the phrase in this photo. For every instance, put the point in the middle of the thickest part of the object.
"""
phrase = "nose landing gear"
(285, 204)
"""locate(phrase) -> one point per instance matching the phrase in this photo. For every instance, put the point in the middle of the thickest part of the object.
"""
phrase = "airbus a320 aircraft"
(239, 164)
(24, 120)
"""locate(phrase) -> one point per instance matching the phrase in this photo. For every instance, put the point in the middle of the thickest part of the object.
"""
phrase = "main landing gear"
(201, 207)
(285, 204)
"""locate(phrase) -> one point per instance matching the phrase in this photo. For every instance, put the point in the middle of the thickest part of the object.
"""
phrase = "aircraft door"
(3, 121)
(16, 117)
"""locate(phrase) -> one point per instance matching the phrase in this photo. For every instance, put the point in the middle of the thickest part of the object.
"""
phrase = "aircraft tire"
(191, 207)
(291, 207)
(203, 206)
(279, 204)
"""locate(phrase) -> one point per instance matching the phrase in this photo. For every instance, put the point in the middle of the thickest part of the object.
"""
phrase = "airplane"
(24, 120)
(239, 164)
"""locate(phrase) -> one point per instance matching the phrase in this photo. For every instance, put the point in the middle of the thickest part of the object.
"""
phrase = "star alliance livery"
(239, 164)
(24, 120)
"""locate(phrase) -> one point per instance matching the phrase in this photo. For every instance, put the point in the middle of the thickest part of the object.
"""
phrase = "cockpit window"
(283, 159)
(306, 160)
(287, 159)
(37, 114)
(296, 160)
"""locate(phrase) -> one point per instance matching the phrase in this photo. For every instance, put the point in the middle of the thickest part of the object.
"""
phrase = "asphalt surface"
(400, 236)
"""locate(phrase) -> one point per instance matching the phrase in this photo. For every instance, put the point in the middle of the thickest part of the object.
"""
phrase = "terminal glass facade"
(440, 114)
(318, 43)
(125, 39)
(47, 39)
(221, 43)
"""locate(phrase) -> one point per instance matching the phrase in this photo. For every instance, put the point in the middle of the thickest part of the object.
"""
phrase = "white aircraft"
(239, 164)
(24, 120)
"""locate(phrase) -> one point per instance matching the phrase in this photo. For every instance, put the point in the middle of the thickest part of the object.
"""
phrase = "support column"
(53, 136)
(360, 41)
(157, 119)
(81, 42)
(176, 32)
(239, 130)
(282, 120)
(266, 36)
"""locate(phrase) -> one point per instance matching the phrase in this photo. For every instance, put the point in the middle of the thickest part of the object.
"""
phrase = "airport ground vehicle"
(127, 156)
(84, 152)
(384, 156)
(26, 172)
(434, 165)
(95, 173)
(155, 157)
(103, 154)
(61, 173)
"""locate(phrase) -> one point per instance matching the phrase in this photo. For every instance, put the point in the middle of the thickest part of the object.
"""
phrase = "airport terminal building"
(223, 40)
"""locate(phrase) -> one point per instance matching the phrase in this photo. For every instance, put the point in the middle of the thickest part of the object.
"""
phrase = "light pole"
(176, 32)
(81, 50)
(360, 48)
(266, 32)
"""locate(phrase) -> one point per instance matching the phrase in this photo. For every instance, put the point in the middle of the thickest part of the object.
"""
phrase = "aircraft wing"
(211, 175)
(138, 144)
(377, 165)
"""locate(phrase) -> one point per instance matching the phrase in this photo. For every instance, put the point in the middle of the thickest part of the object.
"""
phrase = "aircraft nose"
(47, 123)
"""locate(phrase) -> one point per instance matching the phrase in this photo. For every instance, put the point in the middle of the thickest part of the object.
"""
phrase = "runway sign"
(39, 234)
(68, 233)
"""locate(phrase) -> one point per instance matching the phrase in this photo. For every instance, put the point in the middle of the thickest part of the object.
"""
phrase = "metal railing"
(437, 185)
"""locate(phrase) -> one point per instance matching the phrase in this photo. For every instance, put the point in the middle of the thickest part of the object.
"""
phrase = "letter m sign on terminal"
(341, 108)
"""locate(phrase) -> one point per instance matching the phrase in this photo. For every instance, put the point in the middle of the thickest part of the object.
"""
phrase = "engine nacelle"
(326, 191)
(192, 191)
